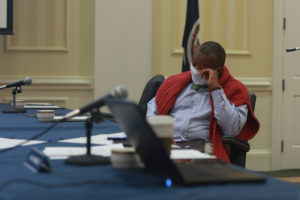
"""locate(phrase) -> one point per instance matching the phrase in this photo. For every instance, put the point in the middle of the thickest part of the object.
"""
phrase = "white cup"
(19, 103)
(125, 158)
(163, 126)
(45, 115)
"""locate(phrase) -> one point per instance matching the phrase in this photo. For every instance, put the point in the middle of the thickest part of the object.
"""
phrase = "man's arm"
(230, 118)
(151, 108)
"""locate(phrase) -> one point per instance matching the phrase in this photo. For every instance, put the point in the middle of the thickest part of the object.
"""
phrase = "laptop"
(156, 160)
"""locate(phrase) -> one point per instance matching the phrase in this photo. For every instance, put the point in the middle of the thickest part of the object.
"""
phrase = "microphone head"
(119, 92)
(27, 81)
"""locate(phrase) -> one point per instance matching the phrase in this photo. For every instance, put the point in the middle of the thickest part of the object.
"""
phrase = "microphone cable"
(32, 138)
(106, 116)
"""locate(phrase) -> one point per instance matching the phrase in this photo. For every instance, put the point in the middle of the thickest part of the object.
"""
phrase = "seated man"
(206, 102)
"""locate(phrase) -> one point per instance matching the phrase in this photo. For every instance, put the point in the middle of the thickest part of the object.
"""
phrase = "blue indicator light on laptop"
(169, 182)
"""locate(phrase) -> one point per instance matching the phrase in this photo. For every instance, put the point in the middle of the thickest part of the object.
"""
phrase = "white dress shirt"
(192, 112)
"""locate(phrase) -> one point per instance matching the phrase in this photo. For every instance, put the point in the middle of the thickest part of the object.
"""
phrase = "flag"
(191, 33)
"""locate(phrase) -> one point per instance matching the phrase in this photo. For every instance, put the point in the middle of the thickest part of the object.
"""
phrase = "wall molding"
(259, 152)
(230, 52)
(256, 84)
(62, 48)
(54, 82)
(177, 25)
(264, 83)
(37, 48)
(55, 100)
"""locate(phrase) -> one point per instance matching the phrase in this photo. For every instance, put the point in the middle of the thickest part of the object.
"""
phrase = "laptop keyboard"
(209, 172)
(203, 169)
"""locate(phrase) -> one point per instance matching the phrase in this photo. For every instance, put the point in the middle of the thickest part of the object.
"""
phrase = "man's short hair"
(213, 48)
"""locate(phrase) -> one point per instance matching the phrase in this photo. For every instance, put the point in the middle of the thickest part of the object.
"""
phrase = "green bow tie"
(196, 87)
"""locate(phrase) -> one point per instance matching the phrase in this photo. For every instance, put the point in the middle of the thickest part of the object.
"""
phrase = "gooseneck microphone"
(25, 81)
(118, 92)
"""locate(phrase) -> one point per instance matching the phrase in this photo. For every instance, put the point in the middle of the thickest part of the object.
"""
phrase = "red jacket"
(235, 91)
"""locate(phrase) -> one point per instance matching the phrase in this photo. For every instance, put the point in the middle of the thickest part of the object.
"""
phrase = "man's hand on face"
(211, 77)
(209, 68)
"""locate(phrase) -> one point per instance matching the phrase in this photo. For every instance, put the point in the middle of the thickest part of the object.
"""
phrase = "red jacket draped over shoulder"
(235, 91)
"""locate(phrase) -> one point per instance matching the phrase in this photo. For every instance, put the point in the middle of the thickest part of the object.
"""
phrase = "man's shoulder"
(228, 81)
(175, 84)
(233, 82)
(236, 91)
(181, 75)
(178, 78)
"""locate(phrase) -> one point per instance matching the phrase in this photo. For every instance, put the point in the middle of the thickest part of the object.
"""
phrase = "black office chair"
(149, 92)
(236, 148)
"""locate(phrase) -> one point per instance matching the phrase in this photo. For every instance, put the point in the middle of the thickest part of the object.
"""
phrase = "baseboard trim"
(259, 160)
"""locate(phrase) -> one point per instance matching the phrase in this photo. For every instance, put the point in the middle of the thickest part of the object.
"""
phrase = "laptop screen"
(142, 137)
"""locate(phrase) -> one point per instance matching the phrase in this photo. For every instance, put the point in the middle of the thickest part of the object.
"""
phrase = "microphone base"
(14, 110)
(87, 160)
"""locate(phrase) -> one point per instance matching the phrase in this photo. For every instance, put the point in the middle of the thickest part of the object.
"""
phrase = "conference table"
(101, 181)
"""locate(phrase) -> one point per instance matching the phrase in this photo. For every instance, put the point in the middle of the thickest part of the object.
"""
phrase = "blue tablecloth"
(102, 182)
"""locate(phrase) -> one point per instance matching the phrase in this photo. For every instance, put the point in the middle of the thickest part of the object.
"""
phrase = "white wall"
(122, 45)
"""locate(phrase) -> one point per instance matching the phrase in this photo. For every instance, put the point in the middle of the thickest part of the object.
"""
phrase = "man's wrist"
(218, 87)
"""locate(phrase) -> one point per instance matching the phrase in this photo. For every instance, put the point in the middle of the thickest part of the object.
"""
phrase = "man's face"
(205, 61)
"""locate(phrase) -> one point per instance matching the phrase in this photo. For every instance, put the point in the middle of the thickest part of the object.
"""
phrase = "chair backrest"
(149, 92)
(252, 100)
